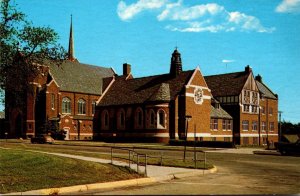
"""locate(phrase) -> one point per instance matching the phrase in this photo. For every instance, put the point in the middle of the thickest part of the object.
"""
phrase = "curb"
(111, 185)
(266, 152)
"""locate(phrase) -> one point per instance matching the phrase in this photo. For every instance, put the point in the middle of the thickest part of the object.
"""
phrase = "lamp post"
(187, 119)
(280, 112)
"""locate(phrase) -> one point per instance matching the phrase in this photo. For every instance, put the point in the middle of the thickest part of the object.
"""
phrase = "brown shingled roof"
(78, 77)
(159, 88)
(265, 90)
(227, 84)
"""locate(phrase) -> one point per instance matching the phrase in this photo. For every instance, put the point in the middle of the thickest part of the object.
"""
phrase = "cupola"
(176, 64)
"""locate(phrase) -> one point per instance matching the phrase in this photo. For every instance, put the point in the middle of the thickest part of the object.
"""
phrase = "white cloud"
(247, 23)
(288, 6)
(209, 17)
(127, 12)
(227, 61)
(177, 11)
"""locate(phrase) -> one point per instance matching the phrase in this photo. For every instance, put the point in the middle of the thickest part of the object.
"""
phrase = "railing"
(141, 160)
(131, 158)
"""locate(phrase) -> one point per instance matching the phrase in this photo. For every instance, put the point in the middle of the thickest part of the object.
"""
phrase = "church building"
(64, 98)
(158, 108)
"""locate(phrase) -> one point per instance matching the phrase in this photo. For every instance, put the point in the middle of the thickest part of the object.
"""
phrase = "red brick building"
(253, 106)
(64, 96)
(92, 102)
(159, 108)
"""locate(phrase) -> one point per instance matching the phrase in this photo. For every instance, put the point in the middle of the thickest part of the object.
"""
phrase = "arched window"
(121, 119)
(66, 106)
(139, 118)
(161, 119)
(105, 119)
(81, 106)
(152, 118)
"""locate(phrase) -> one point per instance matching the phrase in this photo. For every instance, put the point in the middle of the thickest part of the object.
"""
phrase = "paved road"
(244, 173)
(237, 174)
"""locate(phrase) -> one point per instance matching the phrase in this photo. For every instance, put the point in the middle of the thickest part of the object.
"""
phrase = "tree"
(23, 48)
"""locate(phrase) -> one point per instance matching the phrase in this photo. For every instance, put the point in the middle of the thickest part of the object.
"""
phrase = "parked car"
(286, 148)
(42, 139)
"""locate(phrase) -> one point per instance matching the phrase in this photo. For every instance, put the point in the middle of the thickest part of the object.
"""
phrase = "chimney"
(126, 69)
(248, 69)
(258, 78)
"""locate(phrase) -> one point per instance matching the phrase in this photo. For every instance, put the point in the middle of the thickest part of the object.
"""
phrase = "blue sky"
(220, 36)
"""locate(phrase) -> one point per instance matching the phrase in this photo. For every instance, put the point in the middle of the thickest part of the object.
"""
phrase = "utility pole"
(280, 133)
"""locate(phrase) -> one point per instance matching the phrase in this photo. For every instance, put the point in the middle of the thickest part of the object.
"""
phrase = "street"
(237, 174)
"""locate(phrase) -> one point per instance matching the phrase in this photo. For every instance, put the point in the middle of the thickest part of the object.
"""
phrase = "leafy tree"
(290, 128)
(23, 48)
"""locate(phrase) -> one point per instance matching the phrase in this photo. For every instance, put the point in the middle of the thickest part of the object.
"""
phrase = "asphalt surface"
(239, 172)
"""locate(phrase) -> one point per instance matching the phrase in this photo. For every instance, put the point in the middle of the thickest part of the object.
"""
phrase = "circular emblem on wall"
(198, 95)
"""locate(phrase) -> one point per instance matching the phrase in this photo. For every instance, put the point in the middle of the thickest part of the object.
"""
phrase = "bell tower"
(176, 64)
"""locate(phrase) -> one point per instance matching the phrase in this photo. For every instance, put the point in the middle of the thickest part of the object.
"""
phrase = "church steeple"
(71, 52)
(176, 64)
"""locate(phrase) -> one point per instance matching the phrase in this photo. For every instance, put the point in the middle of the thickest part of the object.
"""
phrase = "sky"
(219, 36)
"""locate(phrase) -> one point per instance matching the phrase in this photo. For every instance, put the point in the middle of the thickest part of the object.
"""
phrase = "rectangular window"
(245, 125)
(263, 126)
(236, 99)
(214, 124)
(254, 109)
(228, 99)
(271, 111)
(229, 125)
(254, 126)
(224, 124)
(263, 111)
(246, 108)
(53, 101)
(271, 126)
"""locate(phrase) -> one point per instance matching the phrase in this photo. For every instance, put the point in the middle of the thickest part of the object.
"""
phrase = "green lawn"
(22, 171)
(151, 161)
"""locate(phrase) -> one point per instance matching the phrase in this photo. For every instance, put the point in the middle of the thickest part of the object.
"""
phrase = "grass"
(22, 171)
(151, 160)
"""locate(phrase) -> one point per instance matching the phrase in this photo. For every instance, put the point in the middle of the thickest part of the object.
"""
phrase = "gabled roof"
(219, 113)
(264, 90)
(227, 84)
(159, 88)
(77, 77)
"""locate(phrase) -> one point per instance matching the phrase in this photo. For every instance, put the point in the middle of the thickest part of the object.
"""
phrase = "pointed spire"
(176, 64)
(71, 51)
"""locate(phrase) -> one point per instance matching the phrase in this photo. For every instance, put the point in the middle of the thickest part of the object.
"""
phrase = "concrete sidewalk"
(154, 173)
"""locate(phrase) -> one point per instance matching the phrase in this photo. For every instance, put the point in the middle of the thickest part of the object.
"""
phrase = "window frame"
(66, 105)
(161, 121)
(81, 106)
(245, 123)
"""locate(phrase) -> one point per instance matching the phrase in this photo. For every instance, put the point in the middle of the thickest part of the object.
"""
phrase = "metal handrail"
(130, 159)
(132, 154)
